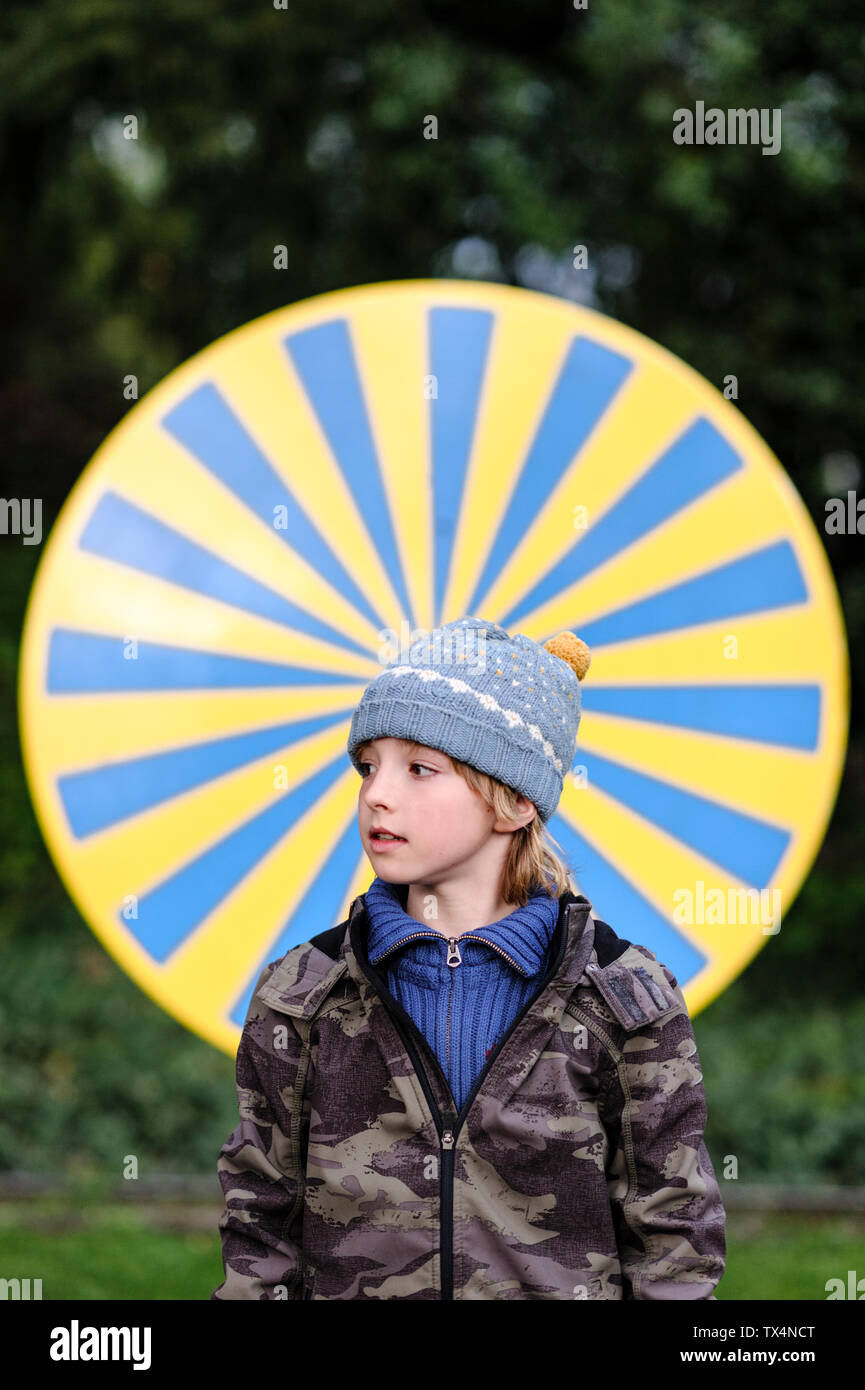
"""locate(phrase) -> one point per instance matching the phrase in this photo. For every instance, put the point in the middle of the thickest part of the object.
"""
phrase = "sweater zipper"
(451, 940)
(454, 959)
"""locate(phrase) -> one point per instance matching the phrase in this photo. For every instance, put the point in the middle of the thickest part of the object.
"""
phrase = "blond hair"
(531, 861)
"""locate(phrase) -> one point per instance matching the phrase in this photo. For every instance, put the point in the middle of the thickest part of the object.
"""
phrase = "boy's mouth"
(380, 839)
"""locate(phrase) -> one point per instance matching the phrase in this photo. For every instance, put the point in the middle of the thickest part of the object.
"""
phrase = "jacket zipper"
(449, 1137)
(446, 1124)
(449, 1125)
(447, 1159)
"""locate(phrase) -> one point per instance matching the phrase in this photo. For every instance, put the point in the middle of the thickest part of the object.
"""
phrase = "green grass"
(113, 1254)
(781, 1256)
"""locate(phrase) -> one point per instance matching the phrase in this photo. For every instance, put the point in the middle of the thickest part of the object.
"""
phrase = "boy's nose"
(378, 789)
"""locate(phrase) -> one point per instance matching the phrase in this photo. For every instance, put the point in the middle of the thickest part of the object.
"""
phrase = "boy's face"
(415, 792)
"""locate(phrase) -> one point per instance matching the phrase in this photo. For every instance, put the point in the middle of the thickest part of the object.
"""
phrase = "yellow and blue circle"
(213, 597)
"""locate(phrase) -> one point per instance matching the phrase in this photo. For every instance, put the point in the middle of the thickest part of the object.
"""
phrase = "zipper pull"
(454, 957)
(448, 1139)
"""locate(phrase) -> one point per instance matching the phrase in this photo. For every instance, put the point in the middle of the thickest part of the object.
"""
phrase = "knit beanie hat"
(505, 705)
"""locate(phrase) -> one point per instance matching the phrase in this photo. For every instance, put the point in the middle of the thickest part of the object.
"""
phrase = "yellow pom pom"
(569, 648)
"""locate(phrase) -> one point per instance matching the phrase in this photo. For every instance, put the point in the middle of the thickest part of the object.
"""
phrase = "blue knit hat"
(504, 705)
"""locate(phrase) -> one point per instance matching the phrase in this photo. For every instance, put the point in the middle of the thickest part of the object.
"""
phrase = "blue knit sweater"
(462, 1010)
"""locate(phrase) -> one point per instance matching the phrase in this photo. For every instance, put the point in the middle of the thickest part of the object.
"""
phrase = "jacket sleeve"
(260, 1166)
(665, 1200)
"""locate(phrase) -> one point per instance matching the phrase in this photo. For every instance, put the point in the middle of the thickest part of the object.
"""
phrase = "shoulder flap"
(636, 986)
(301, 980)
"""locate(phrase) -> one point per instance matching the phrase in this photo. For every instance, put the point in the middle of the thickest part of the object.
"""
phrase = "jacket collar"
(304, 977)
(301, 981)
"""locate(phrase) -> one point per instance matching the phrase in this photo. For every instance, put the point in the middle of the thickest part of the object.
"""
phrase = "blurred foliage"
(785, 1090)
(303, 127)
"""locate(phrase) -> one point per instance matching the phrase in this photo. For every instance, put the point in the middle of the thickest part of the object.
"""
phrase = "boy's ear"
(526, 806)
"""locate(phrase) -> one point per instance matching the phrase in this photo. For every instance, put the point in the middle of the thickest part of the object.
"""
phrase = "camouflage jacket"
(576, 1169)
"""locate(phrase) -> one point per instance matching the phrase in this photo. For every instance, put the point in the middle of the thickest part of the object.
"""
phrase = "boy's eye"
(411, 765)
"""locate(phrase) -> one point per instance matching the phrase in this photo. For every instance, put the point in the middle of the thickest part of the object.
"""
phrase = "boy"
(470, 1089)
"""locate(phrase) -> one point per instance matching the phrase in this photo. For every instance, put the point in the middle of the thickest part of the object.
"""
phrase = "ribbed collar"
(524, 934)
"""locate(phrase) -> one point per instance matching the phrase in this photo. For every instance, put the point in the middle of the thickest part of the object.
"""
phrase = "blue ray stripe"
(118, 530)
(766, 579)
(316, 911)
(102, 796)
(590, 378)
(458, 349)
(205, 424)
(88, 663)
(749, 848)
(787, 715)
(618, 903)
(698, 460)
(169, 913)
(324, 359)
